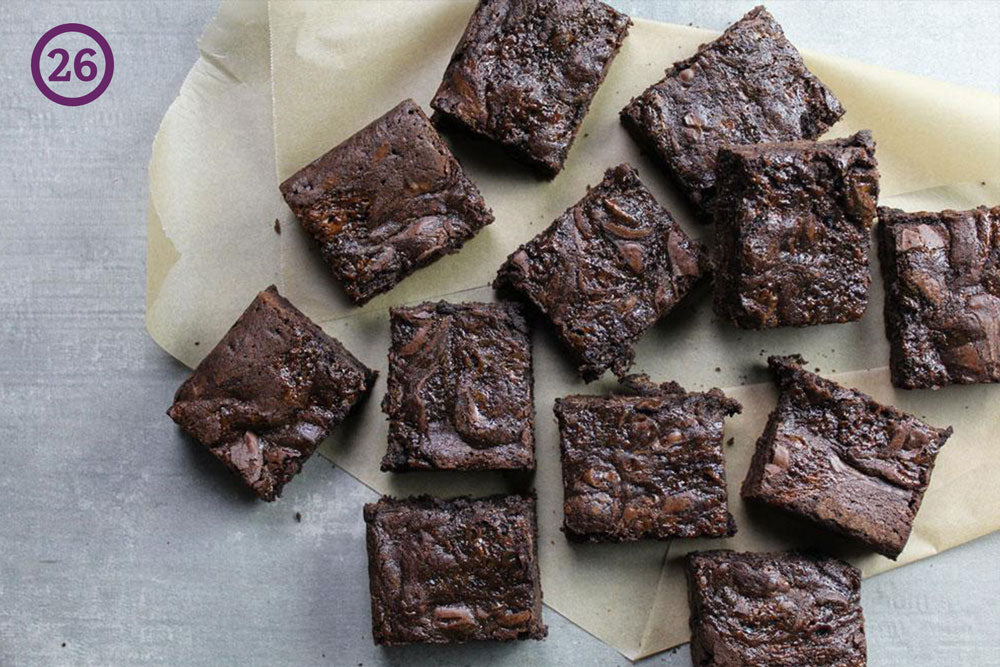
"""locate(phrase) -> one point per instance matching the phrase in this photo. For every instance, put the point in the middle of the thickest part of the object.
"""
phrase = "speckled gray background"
(122, 543)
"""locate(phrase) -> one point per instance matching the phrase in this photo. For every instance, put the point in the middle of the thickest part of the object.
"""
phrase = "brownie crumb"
(298, 517)
(718, 370)
(197, 343)
(277, 226)
(729, 443)
(64, 644)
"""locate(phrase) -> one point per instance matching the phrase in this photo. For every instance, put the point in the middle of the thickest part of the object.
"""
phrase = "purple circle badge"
(74, 73)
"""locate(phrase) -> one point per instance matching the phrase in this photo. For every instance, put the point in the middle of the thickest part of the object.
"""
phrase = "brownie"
(460, 388)
(792, 229)
(942, 287)
(525, 71)
(644, 463)
(269, 392)
(835, 457)
(775, 609)
(606, 270)
(444, 571)
(389, 200)
(749, 85)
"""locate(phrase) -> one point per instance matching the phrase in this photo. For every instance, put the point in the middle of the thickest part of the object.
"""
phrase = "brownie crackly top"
(836, 457)
(942, 283)
(606, 270)
(780, 609)
(792, 229)
(445, 571)
(387, 201)
(525, 72)
(269, 392)
(645, 463)
(460, 388)
(748, 86)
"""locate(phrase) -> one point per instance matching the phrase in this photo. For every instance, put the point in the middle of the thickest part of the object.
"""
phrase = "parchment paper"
(278, 85)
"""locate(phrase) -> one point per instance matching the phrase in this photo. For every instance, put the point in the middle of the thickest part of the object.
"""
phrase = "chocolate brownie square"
(774, 609)
(606, 271)
(942, 288)
(270, 392)
(749, 85)
(835, 457)
(387, 201)
(525, 71)
(792, 230)
(644, 463)
(459, 392)
(444, 571)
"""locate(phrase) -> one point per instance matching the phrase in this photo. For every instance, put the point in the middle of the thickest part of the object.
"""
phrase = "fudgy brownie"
(792, 230)
(942, 287)
(774, 609)
(834, 456)
(645, 463)
(749, 85)
(525, 71)
(269, 392)
(389, 200)
(606, 270)
(444, 571)
(459, 392)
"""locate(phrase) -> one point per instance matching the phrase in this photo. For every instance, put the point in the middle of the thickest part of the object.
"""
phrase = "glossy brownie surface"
(269, 392)
(792, 229)
(387, 201)
(644, 463)
(748, 86)
(459, 390)
(780, 609)
(525, 72)
(834, 456)
(444, 571)
(942, 285)
(606, 270)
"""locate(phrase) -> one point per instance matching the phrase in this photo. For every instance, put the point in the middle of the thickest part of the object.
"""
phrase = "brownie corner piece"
(942, 284)
(748, 86)
(644, 463)
(448, 571)
(792, 228)
(525, 72)
(271, 390)
(837, 458)
(774, 609)
(387, 201)
(460, 388)
(606, 270)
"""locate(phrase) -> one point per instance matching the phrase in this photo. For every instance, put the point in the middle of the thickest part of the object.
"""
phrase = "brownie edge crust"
(272, 389)
(782, 609)
(448, 571)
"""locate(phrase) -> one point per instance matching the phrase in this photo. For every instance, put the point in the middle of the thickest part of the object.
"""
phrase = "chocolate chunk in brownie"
(444, 571)
(460, 388)
(792, 230)
(606, 270)
(749, 85)
(389, 200)
(942, 287)
(644, 463)
(269, 392)
(774, 609)
(835, 457)
(525, 71)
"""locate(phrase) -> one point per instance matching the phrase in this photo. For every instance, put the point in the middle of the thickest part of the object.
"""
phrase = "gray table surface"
(121, 542)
